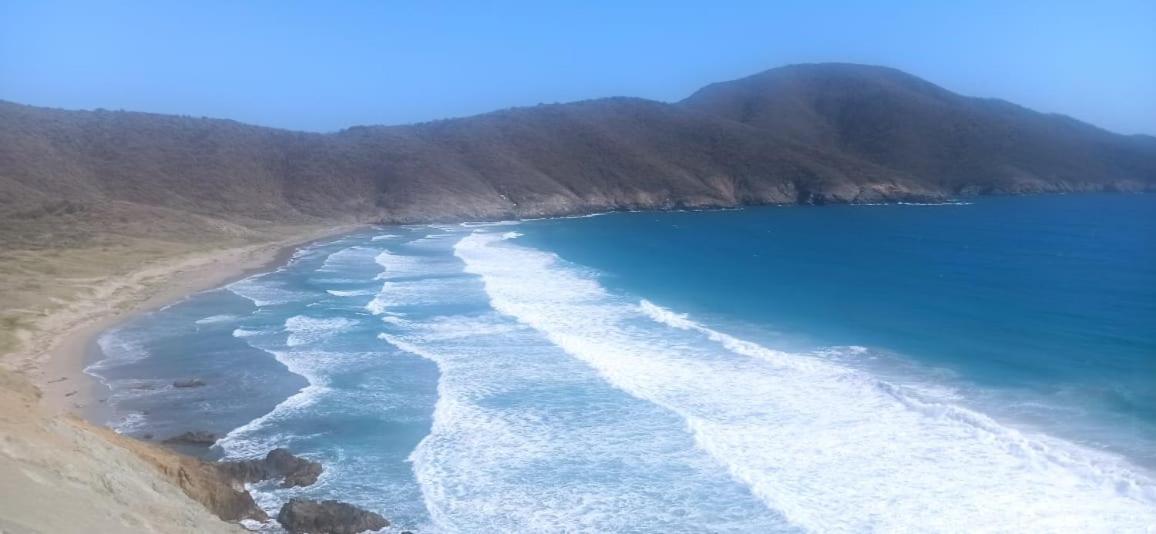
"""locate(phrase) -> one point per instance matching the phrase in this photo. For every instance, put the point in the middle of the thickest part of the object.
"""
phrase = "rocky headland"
(301, 516)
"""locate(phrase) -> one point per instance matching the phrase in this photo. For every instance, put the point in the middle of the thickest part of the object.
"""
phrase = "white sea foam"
(398, 266)
(410, 280)
(262, 291)
(213, 319)
(488, 224)
(242, 332)
(302, 252)
(413, 292)
(378, 305)
(394, 319)
(304, 329)
(383, 237)
(551, 462)
(350, 292)
(432, 241)
(129, 422)
(342, 260)
(329, 281)
(829, 446)
(446, 328)
(301, 357)
(250, 440)
(583, 216)
(118, 347)
(506, 425)
(945, 203)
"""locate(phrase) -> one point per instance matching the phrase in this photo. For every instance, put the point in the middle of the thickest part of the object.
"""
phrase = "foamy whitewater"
(540, 377)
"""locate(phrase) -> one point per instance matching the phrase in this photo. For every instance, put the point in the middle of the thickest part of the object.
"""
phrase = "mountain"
(952, 143)
(797, 134)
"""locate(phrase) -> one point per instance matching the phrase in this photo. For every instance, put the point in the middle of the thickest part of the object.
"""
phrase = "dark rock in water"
(190, 383)
(279, 463)
(300, 516)
(200, 480)
(199, 438)
(294, 470)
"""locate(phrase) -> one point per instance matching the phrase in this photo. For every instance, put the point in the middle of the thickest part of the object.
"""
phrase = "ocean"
(985, 366)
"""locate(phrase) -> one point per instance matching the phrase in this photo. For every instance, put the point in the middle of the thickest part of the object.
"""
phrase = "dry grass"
(34, 284)
(50, 263)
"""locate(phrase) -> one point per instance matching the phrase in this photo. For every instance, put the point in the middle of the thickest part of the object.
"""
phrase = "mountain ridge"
(811, 133)
(902, 122)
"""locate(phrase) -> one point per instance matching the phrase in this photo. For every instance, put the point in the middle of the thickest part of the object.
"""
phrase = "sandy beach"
(57, 354)
(52, 454)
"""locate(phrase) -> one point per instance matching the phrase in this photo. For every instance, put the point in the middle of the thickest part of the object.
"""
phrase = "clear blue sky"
(327, 65)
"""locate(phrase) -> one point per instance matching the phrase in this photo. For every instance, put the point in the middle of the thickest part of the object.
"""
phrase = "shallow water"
(848, 368)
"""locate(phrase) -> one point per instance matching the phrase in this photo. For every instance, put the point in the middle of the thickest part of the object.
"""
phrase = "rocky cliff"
(60, 474)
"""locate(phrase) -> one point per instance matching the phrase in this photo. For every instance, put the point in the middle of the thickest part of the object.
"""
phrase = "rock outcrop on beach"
(301, 516)
(61, 474)
(204, 482)
(195, 438)
(114, 483)
(279, 464)
(189, 383)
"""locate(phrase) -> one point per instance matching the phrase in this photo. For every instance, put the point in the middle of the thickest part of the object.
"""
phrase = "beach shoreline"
(65, 344)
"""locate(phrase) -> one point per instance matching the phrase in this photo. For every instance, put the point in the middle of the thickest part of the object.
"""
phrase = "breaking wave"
(823, 443)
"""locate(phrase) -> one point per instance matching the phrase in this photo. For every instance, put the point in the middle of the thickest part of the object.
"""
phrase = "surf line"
(780, 422)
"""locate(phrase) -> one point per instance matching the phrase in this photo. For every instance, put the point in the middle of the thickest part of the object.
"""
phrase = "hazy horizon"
(321, 68)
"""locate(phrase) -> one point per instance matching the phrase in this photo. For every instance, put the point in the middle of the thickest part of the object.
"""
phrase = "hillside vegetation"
(84, 194)
(804, 133)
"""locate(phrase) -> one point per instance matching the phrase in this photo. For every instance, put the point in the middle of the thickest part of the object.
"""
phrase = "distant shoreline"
(76, 347)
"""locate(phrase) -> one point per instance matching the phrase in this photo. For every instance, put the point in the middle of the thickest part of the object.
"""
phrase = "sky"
(323, 66)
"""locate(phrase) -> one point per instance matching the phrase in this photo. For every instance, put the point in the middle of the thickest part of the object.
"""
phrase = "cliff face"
(808, 133)
(59, 474)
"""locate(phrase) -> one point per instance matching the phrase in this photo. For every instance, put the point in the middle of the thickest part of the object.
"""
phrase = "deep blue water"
(842, 368)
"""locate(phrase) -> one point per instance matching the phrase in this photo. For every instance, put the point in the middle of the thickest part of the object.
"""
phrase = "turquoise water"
(846, 368)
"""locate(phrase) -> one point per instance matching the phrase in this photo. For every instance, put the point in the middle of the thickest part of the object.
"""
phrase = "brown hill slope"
(605, 154)
(948, 141)
(91, 193)
(806, 133)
